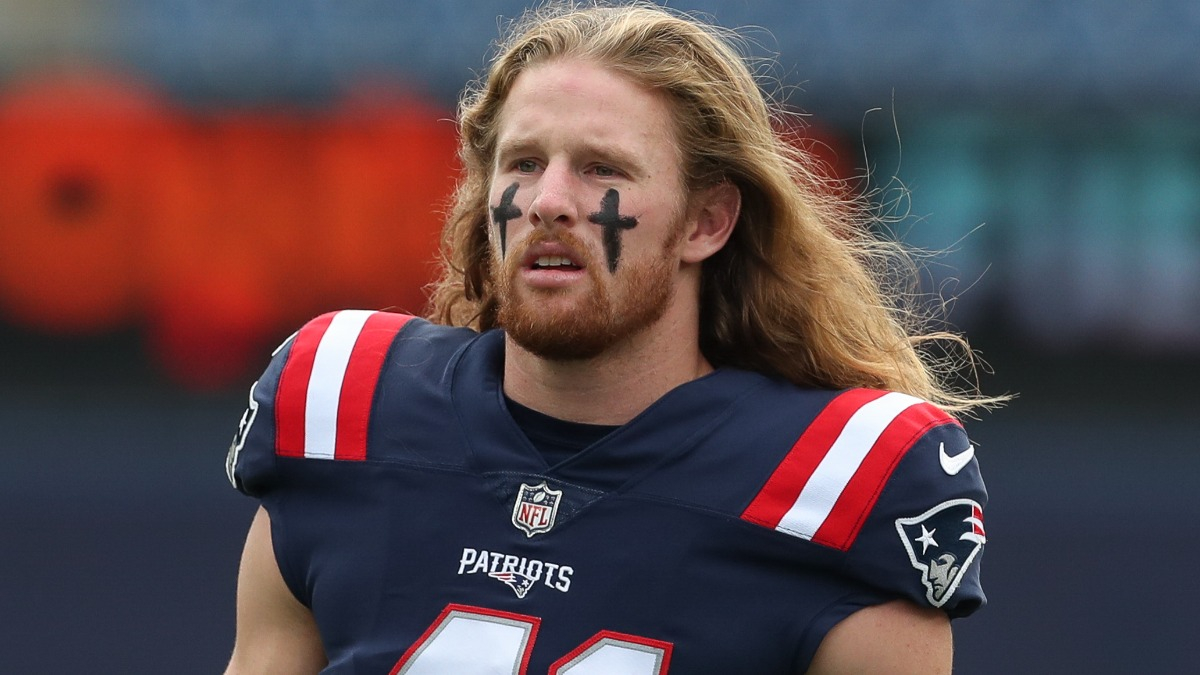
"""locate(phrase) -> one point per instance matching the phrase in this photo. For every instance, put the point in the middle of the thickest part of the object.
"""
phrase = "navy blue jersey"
(725, 529)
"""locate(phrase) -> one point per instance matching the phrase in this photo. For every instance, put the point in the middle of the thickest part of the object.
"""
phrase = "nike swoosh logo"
(952, 465)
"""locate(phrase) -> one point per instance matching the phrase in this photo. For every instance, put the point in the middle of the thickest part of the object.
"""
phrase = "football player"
(664, 415)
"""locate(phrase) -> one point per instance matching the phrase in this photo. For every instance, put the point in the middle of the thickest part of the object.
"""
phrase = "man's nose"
(554, 202)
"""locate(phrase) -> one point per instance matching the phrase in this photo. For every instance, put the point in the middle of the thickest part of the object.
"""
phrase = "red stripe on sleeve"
(789, 478)
(292, 393)
(358, 386)
(853, 506)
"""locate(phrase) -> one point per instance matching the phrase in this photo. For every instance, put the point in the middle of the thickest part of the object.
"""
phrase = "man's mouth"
(556, 262)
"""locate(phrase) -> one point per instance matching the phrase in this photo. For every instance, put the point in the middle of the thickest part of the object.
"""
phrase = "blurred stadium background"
(183, 182)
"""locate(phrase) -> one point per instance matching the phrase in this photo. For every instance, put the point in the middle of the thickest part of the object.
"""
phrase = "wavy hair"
(804, 289)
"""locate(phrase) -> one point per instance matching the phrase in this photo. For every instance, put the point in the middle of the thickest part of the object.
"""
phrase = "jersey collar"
(667, 429)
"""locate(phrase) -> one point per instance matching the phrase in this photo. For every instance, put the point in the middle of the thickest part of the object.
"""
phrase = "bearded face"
(586, 208)
(567, 324)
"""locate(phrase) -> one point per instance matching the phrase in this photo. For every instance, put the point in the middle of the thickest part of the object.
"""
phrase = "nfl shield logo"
(536, 507)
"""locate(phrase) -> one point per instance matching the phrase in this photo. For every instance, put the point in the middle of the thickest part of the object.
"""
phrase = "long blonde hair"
(803, 290)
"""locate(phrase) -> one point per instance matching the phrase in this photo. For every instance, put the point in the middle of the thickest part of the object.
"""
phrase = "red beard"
(608, 315)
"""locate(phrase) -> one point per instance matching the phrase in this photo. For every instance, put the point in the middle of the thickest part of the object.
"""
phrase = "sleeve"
(250, 462)
(314, 400)
(924, 536)
(890, 484)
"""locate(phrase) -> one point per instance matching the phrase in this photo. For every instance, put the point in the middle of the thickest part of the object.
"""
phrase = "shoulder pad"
(836, 470)
(314, 398)
(865, 475)
(925, 536)
(326, 388)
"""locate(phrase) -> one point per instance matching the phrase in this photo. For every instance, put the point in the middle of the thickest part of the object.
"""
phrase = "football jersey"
(725, 529)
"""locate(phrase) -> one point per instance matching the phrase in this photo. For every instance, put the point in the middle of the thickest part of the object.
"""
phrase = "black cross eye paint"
(612, 222)
(504, 213)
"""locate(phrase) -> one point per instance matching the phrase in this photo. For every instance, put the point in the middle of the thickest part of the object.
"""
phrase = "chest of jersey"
(419, 570)
(725, 529)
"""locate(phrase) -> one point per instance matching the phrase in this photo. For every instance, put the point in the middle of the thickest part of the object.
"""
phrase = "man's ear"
(713, 214)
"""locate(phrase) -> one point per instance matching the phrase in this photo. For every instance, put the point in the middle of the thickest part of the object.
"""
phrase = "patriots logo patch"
(520, 583)
(942, 543)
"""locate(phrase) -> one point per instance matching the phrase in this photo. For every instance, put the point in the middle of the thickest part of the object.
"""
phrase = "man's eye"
(605, 171)
(526, 166)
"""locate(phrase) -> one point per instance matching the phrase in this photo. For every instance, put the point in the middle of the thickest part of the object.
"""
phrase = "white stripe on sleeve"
(822, 490)
(325, 385)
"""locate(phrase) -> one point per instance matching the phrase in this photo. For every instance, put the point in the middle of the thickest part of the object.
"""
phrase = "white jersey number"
(475, 641)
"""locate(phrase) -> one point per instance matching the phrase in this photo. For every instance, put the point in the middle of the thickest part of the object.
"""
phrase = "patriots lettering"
(518, 572)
